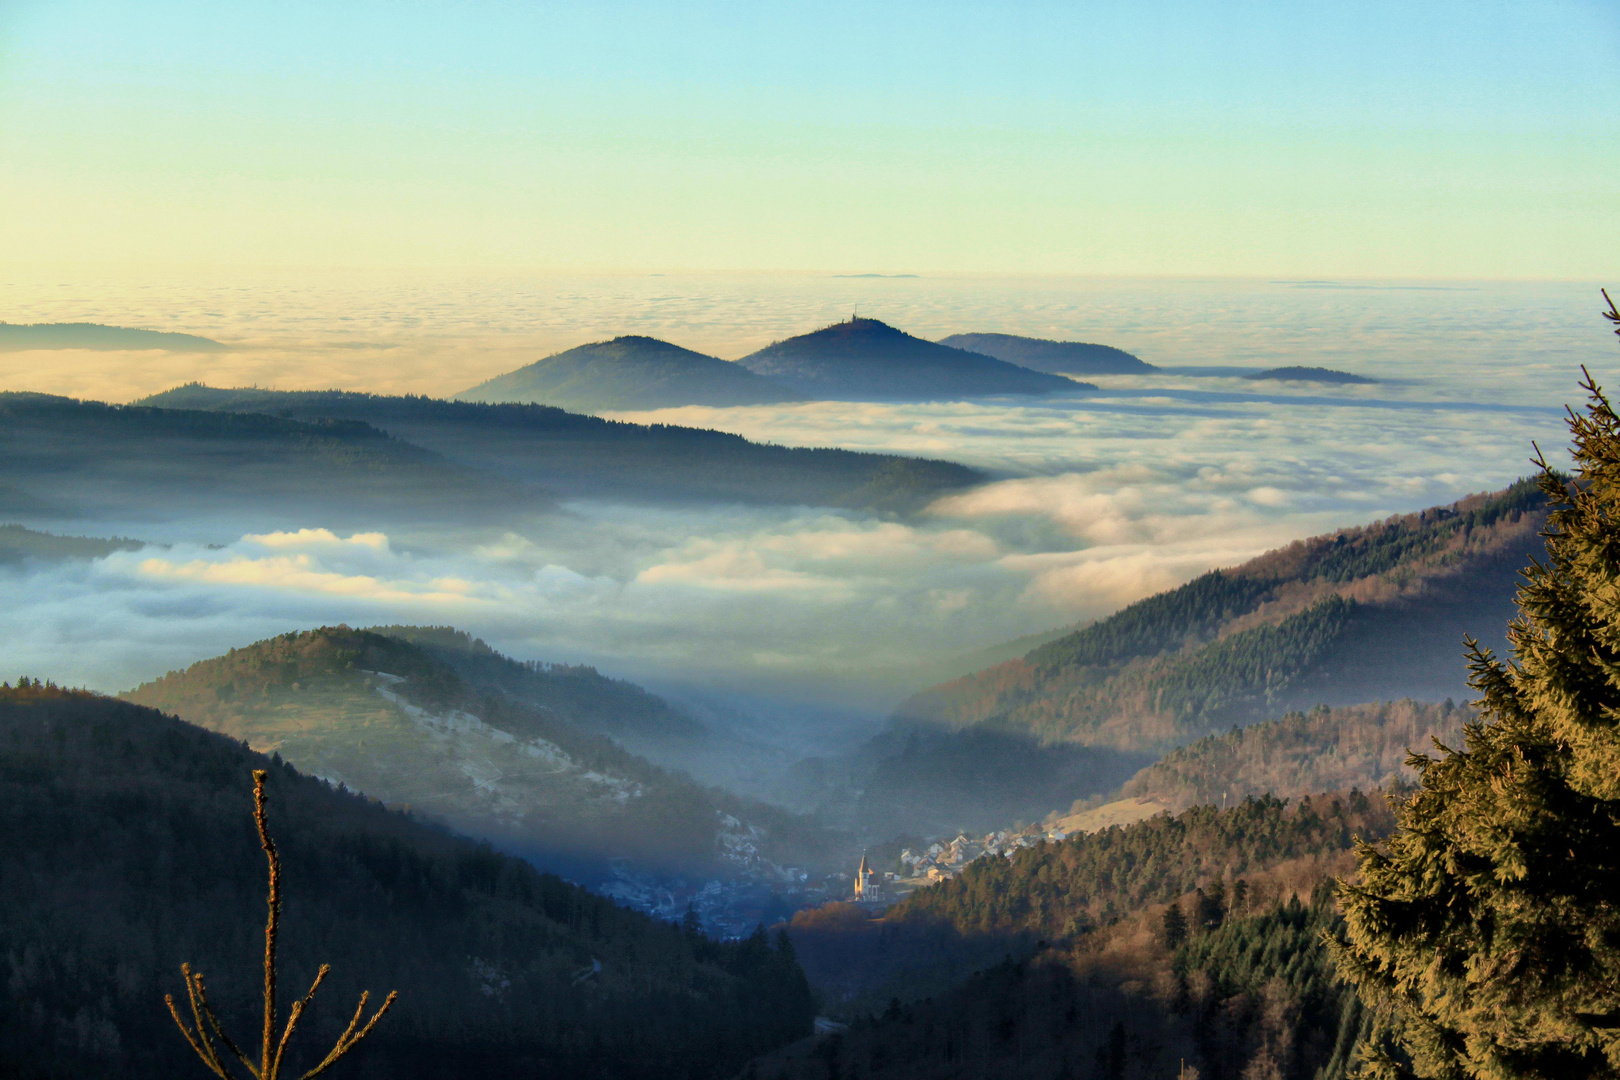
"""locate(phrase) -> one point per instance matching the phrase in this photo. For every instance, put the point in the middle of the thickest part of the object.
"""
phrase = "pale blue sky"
(1374, 140)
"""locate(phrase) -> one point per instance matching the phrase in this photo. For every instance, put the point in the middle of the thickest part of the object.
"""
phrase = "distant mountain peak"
(630, 372)
(866, 359)
(857, 325)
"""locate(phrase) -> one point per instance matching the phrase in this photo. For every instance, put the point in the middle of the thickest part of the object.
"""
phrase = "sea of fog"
(1096, 499)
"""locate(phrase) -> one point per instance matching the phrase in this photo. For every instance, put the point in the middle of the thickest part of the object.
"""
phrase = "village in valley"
(941, 859)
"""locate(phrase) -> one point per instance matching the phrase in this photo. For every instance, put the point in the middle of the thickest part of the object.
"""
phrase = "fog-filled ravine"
(781, 605)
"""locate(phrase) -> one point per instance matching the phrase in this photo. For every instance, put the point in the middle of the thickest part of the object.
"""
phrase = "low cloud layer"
(441, 332)
(1096, 500)
(1106, 508)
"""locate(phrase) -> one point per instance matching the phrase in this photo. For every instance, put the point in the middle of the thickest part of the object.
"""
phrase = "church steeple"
(860, 880)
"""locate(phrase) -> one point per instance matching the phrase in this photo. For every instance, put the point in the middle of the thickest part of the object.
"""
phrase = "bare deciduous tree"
(272, 1050)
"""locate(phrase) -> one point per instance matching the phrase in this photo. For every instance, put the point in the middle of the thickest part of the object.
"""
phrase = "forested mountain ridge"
(1253, 997)
(1097, 979)
(18, 544)
(1325, 749)
(577, 693)
(630, 373)
(140, 463)
(1061, 888)
(867, 360)
(1365, 613)
(575, 455)
(393, 719)
(127, 847)
(1056, 357)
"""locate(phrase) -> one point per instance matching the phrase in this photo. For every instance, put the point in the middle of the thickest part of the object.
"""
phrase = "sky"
(1359, 140)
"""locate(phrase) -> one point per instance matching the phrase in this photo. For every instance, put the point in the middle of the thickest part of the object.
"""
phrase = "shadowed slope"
(65, 458)
(393, 718)
(581, 456)
(1089, 982)
(1362, 614)
(127, 846)
(1366, 614)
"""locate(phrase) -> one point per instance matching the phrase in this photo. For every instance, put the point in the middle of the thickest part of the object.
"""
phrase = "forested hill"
(866, 360)
(1097, 979)
(18, 544)
(127, 847)
(134, 463)
(1369, 613)
(1325, 749)
(1057, 357)
(630, 373)
(575, 692)
(576, 455)
(468, 743)
(1061, 888)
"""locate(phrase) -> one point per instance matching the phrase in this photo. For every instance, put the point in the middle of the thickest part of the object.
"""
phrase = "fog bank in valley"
(821, 619)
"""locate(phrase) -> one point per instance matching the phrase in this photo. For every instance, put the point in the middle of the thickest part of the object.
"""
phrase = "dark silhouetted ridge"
(583, 456)
(1310, 374)
(631, 373)
(20, 337)
(1057, 357)
(867, 360)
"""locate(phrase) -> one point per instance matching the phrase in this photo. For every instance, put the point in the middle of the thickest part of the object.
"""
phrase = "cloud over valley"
(1094, 499)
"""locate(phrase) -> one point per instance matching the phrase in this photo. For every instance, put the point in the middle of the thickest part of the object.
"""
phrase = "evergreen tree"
(1174, 930)
(1487, 930)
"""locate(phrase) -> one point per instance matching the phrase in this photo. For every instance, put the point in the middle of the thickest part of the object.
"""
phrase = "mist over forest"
(908, 682)
(652, 541)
